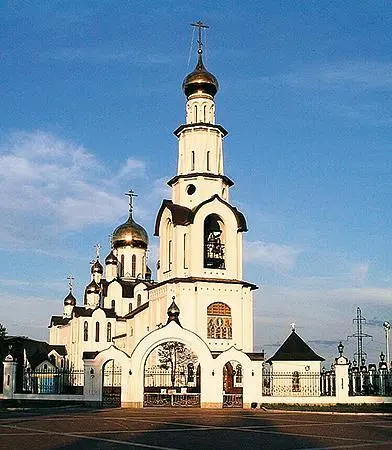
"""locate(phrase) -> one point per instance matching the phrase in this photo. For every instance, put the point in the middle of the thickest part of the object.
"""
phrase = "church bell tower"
(200, 253)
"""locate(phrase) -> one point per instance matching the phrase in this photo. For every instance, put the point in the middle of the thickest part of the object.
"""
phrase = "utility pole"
(360, 354)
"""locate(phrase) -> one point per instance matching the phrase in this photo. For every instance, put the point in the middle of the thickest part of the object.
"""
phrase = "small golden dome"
(200, 80)
(111, 259)
(130, 233)
(97, 267)
(93, 288)
(70, 299)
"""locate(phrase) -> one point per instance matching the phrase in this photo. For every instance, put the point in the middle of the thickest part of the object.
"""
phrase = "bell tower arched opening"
(214, 242)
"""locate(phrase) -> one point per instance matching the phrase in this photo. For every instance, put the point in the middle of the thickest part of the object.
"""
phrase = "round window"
(190, 189)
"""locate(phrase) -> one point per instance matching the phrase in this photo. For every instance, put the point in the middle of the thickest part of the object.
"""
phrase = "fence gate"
(232, 385)
(111, 385)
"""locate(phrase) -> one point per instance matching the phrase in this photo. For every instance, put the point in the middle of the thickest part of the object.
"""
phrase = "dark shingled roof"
(36, 351)
(184, 216)
(295, 348)
(137, 310)
(58, 320)
(89, 355)
(80, 311)
(60, 349)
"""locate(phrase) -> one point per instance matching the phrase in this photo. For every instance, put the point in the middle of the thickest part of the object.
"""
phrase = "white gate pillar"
(341, 377)
(9, 380)
(92, 390)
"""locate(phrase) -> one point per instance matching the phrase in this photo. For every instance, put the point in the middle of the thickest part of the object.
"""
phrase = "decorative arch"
(219, 321)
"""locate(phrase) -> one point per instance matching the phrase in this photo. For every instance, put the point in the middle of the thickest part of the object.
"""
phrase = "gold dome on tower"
(200, 80)
(130, 232)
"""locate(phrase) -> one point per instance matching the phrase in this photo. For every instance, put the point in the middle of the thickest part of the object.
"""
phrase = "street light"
(340, 348)
(387, 328)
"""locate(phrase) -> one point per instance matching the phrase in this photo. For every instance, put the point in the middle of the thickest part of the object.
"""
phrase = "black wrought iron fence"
(53, 381)
(370, 381)
(298, 384)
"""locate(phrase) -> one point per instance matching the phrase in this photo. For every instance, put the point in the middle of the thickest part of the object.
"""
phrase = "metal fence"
(370, 381)
(53, 381)
(299, 384)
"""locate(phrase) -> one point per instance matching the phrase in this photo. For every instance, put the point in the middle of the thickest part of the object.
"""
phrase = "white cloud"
(360, 272)
(270, 254)
(49, 185)
(132, 168)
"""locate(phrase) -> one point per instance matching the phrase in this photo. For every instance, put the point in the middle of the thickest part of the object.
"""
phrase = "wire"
(190, 50)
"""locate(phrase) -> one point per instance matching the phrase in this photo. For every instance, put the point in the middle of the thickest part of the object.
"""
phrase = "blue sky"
(90, 94)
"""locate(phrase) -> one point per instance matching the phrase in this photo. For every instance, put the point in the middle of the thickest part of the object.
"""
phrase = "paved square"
(190, 429)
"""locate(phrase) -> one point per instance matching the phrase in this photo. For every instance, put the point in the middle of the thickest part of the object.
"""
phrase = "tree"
(175, 356)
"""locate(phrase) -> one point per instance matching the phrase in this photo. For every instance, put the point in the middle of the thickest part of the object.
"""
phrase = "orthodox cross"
(131, 194)
(292, 326)
(70, 278)
(97, 249)
(199, 25)
(110, 236)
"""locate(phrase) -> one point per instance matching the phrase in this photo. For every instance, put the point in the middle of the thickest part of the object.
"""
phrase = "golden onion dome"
(130, 233)
(200, 80)
(93, 288)
(97, 267)
(111, 259)
(70, 299)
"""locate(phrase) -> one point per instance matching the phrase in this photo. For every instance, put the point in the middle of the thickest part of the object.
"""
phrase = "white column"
(9, 381)
(92, 390)
(341, 379)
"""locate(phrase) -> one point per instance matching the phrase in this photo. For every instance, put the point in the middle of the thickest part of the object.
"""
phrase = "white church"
(185, 338)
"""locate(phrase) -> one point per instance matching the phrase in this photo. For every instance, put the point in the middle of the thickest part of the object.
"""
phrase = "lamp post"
(387, 328)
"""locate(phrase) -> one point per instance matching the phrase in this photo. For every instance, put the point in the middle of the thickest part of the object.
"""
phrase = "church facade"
(186, 337)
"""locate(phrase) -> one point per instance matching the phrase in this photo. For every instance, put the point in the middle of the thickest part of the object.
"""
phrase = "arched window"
(169, 254)
(191, 373)
(96, 331)
(219, 323)
(85, 331)
(131, 333)
(192, 160)
(195, 112)
(208, 160)
(205, 113)
(295, 382)
(185, 251)
(238, 374)
(214, 245)
(139, 300)
(109, 332)
(133, 266)
(122, 271)
(113, 304)
(130, 307)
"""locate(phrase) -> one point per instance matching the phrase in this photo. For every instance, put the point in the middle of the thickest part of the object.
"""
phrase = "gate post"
(341, 377)
(92, 390)
(9, 380)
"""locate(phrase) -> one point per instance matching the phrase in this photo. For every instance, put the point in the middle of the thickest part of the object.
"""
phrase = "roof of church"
(58, 320)
(128, 286)
(206, 280)
(182, 215)
(295, 348)
(137, 310)
(81, 311)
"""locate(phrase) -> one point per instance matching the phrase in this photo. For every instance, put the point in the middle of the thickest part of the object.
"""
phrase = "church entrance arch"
(172, 376)
(232, 385)
(111, 384)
